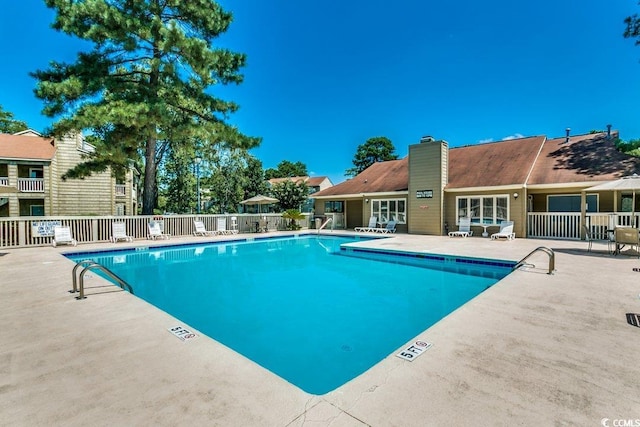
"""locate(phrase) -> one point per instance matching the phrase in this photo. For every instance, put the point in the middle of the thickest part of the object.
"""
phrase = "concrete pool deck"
(534, 349)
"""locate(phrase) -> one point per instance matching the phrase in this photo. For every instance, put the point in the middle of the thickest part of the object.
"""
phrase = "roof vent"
(427, 138)
(568, 132)
(608, 131)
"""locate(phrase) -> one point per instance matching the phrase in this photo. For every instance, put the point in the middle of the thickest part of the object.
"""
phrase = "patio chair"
(627, 236)
(588, 235)
(506, 231)
(222, 226)
(119, 232)
(263, 225)
(372, 227)
(234, 225)
(464, 228)
(62, 236)
(387, 229)
(201, 230)
(155, 232)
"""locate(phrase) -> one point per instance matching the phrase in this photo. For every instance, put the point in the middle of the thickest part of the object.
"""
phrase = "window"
(571, 203)
(391, 209)
(483, 210)
(36, 210)
(333, 207)
(121, 209)
(36, 173)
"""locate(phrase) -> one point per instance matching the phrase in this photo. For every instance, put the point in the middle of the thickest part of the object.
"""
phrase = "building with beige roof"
(31, 183)
(541, 184)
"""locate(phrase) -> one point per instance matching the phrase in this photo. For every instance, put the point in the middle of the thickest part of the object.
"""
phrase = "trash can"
(318, 223)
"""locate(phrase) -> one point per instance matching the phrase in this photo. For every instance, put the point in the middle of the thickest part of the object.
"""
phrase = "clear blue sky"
(324, 76)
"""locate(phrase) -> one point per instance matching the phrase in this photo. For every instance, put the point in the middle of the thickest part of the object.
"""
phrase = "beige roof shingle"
(591, 157)
(392, 175)
(531, 161)
(493, 164)
(26, 147)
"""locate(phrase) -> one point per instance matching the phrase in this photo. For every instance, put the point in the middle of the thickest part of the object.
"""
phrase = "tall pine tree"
(145, 80)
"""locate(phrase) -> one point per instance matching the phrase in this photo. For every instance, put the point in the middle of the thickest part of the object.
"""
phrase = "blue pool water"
(301, 307)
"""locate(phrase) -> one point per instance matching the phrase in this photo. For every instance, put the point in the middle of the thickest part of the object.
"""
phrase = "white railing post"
(94, 230)
(22, 233)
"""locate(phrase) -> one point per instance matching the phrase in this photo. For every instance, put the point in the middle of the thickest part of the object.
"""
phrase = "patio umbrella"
(624, 184)
(259, 200)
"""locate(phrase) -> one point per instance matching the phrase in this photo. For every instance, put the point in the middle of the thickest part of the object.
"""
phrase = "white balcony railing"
(4, 181)
(121, 190)
(31, 185)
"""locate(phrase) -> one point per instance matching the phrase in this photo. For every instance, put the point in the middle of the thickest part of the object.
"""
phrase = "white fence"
(567, 225)
(31, 185)
(38, 231)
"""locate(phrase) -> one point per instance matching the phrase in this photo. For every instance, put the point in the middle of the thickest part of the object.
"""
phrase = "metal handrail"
(552, 258)
(85, 263)
(325, 224)
(93, 265)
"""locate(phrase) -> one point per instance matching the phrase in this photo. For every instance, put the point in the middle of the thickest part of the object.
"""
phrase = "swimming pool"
(296, 305)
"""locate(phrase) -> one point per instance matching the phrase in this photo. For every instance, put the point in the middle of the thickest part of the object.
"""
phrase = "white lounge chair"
(155, 232)
(62, 236)
(119, 232)
(201, 230)
(464, 228)
(387, 229)
(506, 231)
(222, 226)
(372, 227)
(234, 225)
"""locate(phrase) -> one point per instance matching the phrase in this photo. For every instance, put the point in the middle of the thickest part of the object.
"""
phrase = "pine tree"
(8, 124)
(145, 80)
(377, 149)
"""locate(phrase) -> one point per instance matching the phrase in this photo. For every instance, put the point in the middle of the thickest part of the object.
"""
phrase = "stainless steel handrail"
(85, 263)
(93, 265)
(325, 224)
(552, 258)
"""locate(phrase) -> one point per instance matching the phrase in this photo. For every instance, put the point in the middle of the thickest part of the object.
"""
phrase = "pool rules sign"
(414, 350)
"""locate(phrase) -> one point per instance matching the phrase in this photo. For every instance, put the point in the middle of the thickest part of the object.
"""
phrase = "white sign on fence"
(43, 228)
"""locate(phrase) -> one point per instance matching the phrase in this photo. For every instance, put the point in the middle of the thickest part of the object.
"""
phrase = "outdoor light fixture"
(366, 200)
(515, 195)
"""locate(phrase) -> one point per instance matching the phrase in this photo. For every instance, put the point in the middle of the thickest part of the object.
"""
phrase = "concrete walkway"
(533, 350)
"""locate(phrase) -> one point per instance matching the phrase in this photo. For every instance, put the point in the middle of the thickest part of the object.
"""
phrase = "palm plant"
(293, 215)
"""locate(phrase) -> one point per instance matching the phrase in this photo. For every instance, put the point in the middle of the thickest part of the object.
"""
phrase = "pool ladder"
(325, 224)
(552, 259)
(92, 265)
